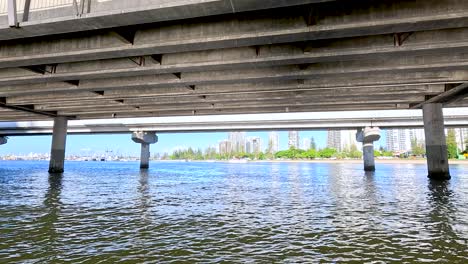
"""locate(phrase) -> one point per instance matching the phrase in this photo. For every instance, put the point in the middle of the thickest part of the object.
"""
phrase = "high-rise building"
(342, 140)
(293, 139)
(399, 140)
(334, 139)
(305, 143)
(461, 136)
(253, 145)
(348, 140)
(237, 140)
(225, 147)
(273, 142)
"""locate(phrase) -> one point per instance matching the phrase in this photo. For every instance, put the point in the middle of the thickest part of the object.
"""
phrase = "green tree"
(417, 148)
(327, 153)
(354, 153)
(452, 144)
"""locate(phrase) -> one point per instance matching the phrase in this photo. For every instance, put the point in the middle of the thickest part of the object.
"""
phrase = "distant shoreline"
(336, 161)
(358, 161)
(330, 161)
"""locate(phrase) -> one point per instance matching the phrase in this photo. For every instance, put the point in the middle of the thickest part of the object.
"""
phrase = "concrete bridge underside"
(104, 59)
(98, 59)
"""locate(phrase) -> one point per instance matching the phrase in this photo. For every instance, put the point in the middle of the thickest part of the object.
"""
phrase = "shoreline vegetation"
(293, 154)
(332, 161)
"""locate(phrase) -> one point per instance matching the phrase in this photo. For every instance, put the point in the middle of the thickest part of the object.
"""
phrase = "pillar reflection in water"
(444, 238)
(52, 206)
(145, 197)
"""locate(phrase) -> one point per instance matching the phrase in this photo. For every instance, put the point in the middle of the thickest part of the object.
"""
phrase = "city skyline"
(121, 144)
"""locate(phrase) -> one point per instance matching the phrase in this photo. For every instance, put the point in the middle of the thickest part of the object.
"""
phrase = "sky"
(123, 145)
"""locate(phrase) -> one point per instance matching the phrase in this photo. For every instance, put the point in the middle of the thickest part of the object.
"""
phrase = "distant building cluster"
(342, 140)
(400, 140)
(237, 142)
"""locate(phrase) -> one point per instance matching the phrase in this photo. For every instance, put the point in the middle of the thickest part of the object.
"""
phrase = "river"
(110, 212)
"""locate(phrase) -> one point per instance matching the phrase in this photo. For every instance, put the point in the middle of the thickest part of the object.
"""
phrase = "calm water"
(232, 213)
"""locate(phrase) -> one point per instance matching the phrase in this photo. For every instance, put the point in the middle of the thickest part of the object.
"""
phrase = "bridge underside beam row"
(422, 50)
(340, 19)
(299, 56)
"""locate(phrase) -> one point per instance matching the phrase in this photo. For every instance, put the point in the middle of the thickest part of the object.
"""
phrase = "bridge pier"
(436, 146)
(145, 139)
(367, 137)
(59, 138)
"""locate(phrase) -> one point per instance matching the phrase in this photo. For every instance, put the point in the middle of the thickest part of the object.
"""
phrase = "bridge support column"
(59, 138)
(436, 146)
(145, 139)
(367, 137)
(368, 156)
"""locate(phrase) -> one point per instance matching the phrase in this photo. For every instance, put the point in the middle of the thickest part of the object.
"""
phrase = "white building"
(225, 147)
(273, 142)
(461, 136)
(305, 144)
(253, 145)
(293, 139)
(342, 140)
(237, 140)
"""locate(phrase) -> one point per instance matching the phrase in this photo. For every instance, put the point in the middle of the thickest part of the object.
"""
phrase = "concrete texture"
(59, 139)
(145, 138)
(436, 146)
(193, 57)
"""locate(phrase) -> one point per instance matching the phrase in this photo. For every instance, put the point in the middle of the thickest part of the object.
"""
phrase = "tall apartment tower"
(293, 139)
(334, 139)
(273, 142)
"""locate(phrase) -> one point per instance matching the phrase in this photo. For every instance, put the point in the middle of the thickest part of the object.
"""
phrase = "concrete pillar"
(145, 156)
(436, 146)
(368, 156)
(59, 138)
(145, 139)
(367, 137)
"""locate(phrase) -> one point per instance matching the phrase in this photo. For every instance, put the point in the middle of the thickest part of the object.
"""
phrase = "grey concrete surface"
(191, 57)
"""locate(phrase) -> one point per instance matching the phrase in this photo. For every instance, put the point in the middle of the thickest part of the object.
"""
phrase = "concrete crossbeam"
(438, 53)
(338, 78)
(255, 89)
(279, 26)
(248, 104)
(241, 99)
(249, 88)
(244, 111)
(109, 14)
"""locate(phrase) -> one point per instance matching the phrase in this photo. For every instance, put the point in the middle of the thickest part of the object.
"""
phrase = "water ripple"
(231, 213)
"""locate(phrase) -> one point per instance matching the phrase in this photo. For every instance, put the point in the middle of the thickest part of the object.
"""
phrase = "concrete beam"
(243, 111)
(337, 78)
(252, 106)
(454, 93)
(293, 98)
(278, 26)
(254, 89)
(111, 14)
(426, 50)
(255, 122)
